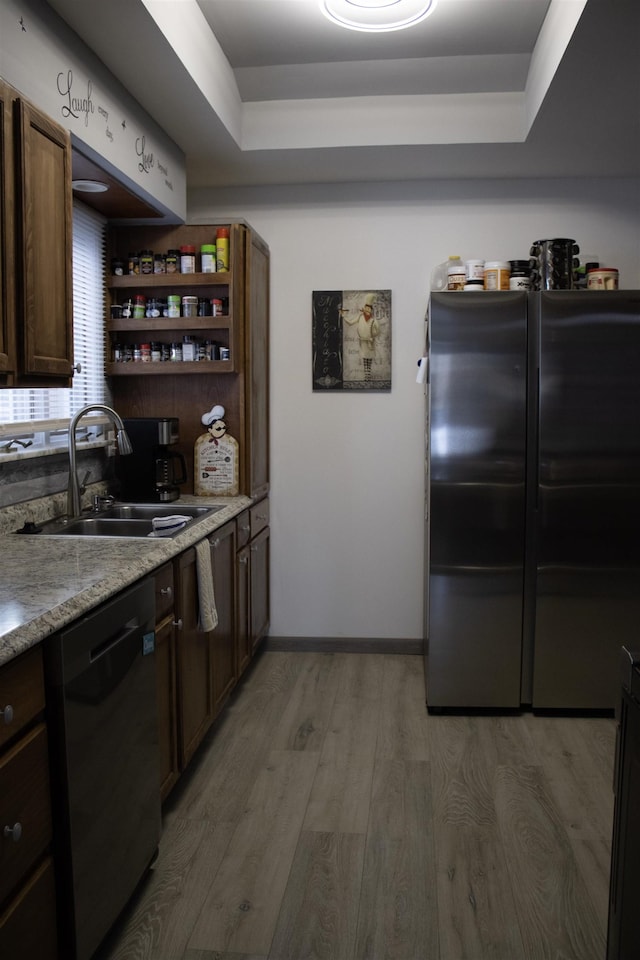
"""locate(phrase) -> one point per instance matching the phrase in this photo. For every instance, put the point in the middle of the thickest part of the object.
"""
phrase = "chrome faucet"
(74, 508)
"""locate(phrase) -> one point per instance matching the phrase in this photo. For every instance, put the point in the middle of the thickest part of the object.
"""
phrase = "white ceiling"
(268, 91)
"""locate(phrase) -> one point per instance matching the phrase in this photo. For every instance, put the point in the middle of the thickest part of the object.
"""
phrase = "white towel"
(166, 526)
(208, 614)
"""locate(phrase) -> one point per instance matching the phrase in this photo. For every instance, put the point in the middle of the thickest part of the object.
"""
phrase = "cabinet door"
(194, 663)
(28, 925)
(257, 373)
(223, 556)
(259, 579)
(167, 719)
(7, 235)
(45, 302)
(243, 635)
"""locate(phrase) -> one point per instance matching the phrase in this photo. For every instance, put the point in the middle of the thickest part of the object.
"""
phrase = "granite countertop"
(47, 582)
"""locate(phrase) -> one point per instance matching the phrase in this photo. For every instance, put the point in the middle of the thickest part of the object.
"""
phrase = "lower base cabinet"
(28, 927)
(198, 670)
(166, 672)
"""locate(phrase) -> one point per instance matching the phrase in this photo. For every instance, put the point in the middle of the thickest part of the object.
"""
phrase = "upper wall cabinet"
(36, 301)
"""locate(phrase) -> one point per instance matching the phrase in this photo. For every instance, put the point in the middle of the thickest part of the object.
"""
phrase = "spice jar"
(176, 352)
(189, 306)
(173, 305)
(172, 261)
(139, 306)
(159, 263)
(146, 261)
(187, 259)
(117, 268)
(134, 263)
(208, 258)
(222, 249)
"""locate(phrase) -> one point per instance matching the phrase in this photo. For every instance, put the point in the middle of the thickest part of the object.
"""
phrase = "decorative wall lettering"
(74, 106)
(146, 159)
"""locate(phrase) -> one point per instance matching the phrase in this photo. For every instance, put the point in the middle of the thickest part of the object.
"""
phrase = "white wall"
(347, 470)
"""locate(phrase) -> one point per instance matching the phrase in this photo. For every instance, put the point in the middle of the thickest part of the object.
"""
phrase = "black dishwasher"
(623, 942)
(104, 716)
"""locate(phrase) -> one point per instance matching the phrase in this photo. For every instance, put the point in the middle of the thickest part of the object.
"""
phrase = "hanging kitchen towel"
(167, 526)
(208, 614)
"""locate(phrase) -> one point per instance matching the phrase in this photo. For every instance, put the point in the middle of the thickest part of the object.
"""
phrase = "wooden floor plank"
(319, 911)
(555, 912)
(241, 907)
(404, 721)
(398, 913)
(306, 715)
(339, 801)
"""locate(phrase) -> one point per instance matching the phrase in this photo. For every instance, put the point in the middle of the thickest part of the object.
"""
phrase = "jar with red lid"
(187, 259)
(139, 306)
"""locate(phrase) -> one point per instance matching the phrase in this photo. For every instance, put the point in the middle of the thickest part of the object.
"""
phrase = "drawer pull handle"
(243, 559)
(7, 713)
(261, 516)
(178, 623)
(166, 592)
(216, 542)
(245, 528)
(15, 832)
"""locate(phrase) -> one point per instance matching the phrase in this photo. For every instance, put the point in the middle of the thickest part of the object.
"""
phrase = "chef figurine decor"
(216, 458)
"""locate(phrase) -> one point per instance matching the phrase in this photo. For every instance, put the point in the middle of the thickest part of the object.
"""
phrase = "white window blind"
(25, 405)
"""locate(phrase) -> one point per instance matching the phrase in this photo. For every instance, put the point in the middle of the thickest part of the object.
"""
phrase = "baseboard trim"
(343, 645)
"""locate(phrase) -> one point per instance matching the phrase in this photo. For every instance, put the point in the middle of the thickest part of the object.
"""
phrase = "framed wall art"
(351, 340)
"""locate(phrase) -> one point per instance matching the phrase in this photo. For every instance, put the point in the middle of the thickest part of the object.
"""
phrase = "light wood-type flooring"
(329, 817)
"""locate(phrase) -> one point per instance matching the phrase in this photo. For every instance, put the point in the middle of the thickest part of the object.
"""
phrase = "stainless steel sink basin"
(127, 520)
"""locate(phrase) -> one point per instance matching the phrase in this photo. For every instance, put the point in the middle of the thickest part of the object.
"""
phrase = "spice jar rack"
(129, 332)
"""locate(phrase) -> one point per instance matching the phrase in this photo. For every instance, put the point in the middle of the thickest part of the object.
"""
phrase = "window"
(29, 405)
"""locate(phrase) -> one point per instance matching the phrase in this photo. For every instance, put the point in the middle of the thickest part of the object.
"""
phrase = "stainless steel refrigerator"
(533, 498)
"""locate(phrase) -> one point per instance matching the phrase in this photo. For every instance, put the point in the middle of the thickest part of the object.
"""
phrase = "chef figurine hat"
(216, 413)
(369, 300)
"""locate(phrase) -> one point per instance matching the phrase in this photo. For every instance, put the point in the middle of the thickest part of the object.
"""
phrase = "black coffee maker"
(152, 473)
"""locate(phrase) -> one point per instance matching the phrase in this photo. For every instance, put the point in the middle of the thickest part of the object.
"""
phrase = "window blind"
(25, 405)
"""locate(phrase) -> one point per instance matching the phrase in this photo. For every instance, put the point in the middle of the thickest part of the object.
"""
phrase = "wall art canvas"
(351, 340)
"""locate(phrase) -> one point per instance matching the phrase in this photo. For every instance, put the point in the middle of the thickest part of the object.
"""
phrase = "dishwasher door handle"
(107, 645)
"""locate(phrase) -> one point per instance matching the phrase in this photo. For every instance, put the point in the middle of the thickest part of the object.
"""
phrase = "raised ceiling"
(268, 91)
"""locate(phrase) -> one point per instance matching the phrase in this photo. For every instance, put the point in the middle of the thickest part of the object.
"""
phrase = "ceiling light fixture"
(377, 16)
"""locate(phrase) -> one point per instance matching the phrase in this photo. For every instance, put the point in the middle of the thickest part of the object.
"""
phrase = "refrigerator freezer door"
(588, 509)
(476, 504)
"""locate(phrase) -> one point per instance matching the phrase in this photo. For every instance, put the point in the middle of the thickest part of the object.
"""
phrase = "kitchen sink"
(125, 520)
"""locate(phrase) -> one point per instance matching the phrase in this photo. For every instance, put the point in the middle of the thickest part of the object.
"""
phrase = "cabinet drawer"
(24, 800)
(259, 514)
(22, 689)
(164, 591)
(28, 925)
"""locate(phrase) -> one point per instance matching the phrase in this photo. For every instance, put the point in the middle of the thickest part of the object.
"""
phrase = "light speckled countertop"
(47, 582)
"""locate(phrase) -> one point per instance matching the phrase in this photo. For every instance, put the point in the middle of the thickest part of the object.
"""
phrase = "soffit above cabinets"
(268, 91)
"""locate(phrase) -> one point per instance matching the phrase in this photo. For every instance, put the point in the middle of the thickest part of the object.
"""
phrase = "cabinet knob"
(76, 368)
(245, 528)
(166, 591)
(7, 714)
(178, 623)
(15, 832)
(243, 559)
(216, 542)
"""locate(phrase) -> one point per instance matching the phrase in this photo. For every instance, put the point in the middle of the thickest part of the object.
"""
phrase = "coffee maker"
(152, 473)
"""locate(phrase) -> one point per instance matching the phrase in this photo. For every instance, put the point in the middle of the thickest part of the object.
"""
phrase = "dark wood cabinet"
(252, 581)
(223, 639)
(36, 292)
(187, 390)
(27, 888)
(166, 674)
(194, 662)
